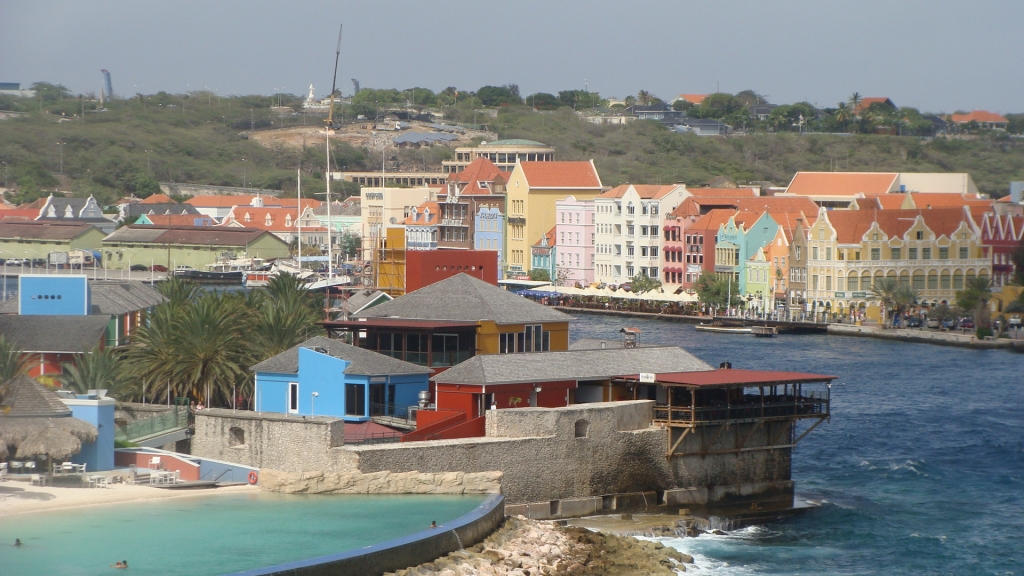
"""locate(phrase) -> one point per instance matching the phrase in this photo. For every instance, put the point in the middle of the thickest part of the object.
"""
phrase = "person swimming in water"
(433, 523)
(121, 564)
(17, 541)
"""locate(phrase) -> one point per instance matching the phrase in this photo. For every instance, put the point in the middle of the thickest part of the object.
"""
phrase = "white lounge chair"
(154, 462)
(67, 468)
(38, 479)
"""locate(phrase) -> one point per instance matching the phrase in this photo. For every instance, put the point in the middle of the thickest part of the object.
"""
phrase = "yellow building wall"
(391, 263)
(487, 341)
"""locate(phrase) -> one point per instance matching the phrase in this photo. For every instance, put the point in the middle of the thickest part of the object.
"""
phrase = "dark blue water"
(921, 470)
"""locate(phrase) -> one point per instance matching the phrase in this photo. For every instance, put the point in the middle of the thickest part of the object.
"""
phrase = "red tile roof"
(712, 221)
(941, 200)
(20, 214)
(430, 219)
(561, 174)
(983, 116)
(479, 170)
(158, 199)
(722, 192)
(841, 183)
(851, 225)
(692, 98)
(220, 201)
(778, 204)
(866, 103)
(280, 219)
(291, 202)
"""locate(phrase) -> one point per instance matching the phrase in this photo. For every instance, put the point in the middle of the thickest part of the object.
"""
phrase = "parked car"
(1015, 320)
(139, 268)
(914, 322)
(933, 322)
(967, 323)
(159, 268)
(39, 262)
(14, 262)
(949, 324)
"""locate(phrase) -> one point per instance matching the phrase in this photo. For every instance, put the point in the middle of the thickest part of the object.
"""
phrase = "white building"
(383, 208)
(628, 237)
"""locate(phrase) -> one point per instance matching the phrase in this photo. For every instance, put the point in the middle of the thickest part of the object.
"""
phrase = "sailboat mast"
(330, 248)
(298, 173)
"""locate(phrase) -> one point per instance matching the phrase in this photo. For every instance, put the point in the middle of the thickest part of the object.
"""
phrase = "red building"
(425, 267)
(1002, 235)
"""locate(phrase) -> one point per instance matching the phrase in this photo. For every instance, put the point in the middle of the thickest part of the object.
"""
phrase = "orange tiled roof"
(778, 204)
(221, 201)
(692, 98)
(941, 200)
(158, 199)
(280, 219)
(713, 220)
(20, 214)
(851, 225)
(479, 170)
(561, 174)
(722, 192)
(291, 202)
(431, 218)
(645, 191)
(550, 236)
(841, 183)
(866, 103)
(979, 116)
(176, 219)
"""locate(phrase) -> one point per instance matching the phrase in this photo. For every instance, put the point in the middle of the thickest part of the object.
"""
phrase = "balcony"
(933, 263)
(754, 408)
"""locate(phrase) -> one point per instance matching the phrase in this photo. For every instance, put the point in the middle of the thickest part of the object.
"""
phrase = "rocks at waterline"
(523, 547)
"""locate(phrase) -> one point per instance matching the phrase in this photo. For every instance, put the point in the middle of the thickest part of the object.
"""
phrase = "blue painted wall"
(325, 375)
(51, 295)
(98, 455)
(489, 232)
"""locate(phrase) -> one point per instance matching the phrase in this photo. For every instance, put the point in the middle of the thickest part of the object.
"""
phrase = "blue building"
(99, 411)
(325, 377)
(489, 232)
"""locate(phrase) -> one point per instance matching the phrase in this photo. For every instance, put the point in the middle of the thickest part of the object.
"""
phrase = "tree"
(542, 101)
(1018, 262)
(498, 96)
(843, 115)
(714, 290)
(50, 93)
(351, 244)
(905, 297)
(540, 275)
(146, 186)
(721, 106)
(884, 290)
(854, 102)
(644, 97)
(975, 297)
(642, 283)
(12, 363)
(95, 369)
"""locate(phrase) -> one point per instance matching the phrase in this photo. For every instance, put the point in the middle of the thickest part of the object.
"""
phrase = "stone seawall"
(537, 454)
(380, 482)
(926, 337)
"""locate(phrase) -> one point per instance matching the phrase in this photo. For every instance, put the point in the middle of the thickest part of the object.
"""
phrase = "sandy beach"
(22, 497)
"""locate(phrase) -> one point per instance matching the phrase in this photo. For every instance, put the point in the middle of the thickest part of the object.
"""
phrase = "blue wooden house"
(325, 377)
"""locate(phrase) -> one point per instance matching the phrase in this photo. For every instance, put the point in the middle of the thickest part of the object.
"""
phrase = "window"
(828, 282)
(933, 281)
(958, 280)
(293, 397)
(654, 251)
(943, 253)
(876, 253)
(630, 230)
(629, 271)
(944, 281)
(963, 253)
(926, 253)
(918, 281)
(236, 437)
(630, 209)
(798, 254)
(814, 252)
(828, 253)
(912, 253)
(852, 282)
(920, 235)
(355, 400)
(895, 253)
(814, 282)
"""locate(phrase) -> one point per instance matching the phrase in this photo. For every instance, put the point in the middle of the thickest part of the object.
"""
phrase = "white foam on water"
(708, 565)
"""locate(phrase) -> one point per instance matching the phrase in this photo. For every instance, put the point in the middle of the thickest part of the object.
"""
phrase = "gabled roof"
(139, 208)
(158, 199)
(179, 219)
(362, 362)
(426, 214)
(350, 207)
(866, 103)
(479, 170)
(708, 192)
(186, 235)
(594, 364)
(711, 221)
(692, 98)
(644, 191)
(982, 116)
(852, 225)
(270, 219)
(115, 297)
(561, 175)
(466, 299)
(547, 240)
(27, 398)
(292, 203)
(842, 183)
(65, 334)
(360, 300)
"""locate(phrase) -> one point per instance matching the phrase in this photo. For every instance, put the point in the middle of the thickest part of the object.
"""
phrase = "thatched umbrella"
(52, 442)
(51, 437)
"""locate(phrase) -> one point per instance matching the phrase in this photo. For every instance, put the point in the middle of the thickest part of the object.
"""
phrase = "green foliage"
(11, 361)
(540, 275)
(543, 101)
(146, 186)
(982, 332)
(579, 99)
(498, 96)
(95, 369)
(50, 93)
(720, 106)
(975, 297)
(714, 290)
(350, 244)
(642, 283)
(1018, 261)
(885, 291)
(942, 312)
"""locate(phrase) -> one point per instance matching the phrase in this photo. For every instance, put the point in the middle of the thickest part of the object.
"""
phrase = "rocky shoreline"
(523, 547)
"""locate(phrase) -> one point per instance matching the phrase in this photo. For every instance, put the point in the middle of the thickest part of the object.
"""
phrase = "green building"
(31, 239)
(194, 246)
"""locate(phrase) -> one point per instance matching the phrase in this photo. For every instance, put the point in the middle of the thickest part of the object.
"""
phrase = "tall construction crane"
(334, 81)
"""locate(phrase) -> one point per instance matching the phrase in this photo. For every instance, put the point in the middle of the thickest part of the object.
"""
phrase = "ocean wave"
(704, 564)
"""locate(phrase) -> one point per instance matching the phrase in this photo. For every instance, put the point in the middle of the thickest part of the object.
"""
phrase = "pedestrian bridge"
(160, 429)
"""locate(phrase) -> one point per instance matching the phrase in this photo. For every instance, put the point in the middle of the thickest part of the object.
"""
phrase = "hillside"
(204, 139)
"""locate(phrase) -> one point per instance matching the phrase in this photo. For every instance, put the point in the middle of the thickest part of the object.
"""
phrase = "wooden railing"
(772, 408)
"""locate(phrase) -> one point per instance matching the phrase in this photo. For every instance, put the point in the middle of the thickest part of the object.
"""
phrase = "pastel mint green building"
(195, 247)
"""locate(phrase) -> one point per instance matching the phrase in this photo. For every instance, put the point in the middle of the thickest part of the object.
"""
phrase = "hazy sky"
(937, 55)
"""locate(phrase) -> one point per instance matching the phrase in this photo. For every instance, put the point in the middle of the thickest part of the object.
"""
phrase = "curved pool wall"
(419, 548)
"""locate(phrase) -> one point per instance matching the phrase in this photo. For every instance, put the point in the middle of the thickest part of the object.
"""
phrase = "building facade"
(503, 153)
(384, 208)
(628, 230)
(576, 238)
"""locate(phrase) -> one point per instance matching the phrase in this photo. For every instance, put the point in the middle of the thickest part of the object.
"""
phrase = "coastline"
(903, 335)
(22, 498)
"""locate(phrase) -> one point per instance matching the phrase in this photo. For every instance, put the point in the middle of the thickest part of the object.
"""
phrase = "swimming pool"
(213, 534)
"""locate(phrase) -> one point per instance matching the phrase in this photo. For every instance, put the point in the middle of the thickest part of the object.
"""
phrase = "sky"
(935, 55)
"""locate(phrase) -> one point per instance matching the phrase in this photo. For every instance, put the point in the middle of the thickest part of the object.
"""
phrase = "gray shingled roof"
(463, 298)
(68, 334)
(116, 297)
(358, 300)
(600, 344)
(570, 365)
(28, 398)
(137, 209)
(36, 230)
(363, 362)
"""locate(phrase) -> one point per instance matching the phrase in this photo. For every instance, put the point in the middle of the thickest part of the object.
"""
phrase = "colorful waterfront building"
(935, 251)
(1002, 235)
(628, 230)
(532, 190)
(758, 288)
(575, 233)
(544, 253)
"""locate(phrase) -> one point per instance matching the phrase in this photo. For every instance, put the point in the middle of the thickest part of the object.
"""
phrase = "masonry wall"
(542, 453)
(292, 443)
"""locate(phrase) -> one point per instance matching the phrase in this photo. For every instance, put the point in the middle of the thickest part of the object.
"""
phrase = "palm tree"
(214, 347)
(884, 290)
(843, 114)
(98, 368)
(854, 101)
(12, 363)
(975, 297)
(644, 97)
(905, 297)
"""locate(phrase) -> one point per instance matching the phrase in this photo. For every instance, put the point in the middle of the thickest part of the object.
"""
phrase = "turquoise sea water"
(921, 470)
(213, 534)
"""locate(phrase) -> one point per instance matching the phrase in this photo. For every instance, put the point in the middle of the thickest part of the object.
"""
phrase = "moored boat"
(723, 329)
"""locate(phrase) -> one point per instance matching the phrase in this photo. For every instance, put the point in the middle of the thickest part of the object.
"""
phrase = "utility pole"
(243, 174)
(61, 144)
(148, 165)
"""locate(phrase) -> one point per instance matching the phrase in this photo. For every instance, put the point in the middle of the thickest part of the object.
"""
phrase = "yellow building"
(934, 251)
(531, 193)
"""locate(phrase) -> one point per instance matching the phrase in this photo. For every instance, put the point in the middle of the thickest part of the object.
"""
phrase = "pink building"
(574, 235)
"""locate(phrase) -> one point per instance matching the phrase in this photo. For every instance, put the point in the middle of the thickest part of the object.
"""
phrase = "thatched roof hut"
(34, 416)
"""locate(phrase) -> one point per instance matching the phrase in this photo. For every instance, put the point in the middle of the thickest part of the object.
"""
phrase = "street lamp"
(61, 144)
(252, 121)
(312, 403)
(243, 173)
(148, 165)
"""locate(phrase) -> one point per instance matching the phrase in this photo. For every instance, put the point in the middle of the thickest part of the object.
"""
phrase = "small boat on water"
(719, 329)
(764, 331)
(221, 272)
